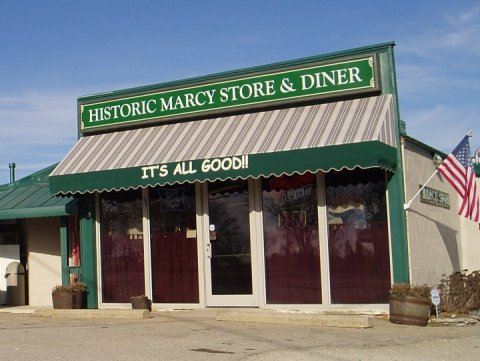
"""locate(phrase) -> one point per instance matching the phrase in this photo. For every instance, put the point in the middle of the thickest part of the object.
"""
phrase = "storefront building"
(31, 223)
(279, 186)
(440, 242)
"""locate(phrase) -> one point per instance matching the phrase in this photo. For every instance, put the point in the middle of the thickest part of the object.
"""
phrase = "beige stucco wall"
(471, 242)
(42, 238)
(434, 233)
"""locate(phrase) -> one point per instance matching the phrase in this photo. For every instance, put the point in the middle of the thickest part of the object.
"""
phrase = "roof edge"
(40, 212)
(38, 177)
(425, 146)
(242, 71)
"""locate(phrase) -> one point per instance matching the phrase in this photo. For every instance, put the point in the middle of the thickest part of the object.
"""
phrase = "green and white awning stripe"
(348, 134)
(363, 155)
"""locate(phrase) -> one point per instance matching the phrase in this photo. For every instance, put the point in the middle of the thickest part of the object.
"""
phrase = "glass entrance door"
(228, 248)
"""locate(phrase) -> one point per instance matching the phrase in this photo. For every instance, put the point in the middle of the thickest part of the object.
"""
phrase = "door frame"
(231, 300)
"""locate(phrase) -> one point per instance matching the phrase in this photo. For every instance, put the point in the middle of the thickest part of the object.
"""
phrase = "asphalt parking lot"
(193, 335)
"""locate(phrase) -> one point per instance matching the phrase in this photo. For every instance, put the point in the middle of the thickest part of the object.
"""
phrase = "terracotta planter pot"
(409, 310)
(141, 303)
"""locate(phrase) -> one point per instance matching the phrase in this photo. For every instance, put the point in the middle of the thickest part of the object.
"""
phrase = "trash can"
(15, 275)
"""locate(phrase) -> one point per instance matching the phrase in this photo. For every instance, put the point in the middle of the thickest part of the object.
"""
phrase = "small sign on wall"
(435, 297)
(435, 197)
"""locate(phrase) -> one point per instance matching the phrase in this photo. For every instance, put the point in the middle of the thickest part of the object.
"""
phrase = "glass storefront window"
(290, 222)
(358, 236)
(174, 244)
(121, 231)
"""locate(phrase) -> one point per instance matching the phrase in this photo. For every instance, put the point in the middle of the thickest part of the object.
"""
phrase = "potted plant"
(410, 304)
(72, 296)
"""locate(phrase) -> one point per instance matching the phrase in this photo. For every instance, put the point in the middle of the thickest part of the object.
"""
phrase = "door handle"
(209, 250)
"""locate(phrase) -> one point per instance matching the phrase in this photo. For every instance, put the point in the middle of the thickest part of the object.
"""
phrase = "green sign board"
(435, 197)
(321, 80)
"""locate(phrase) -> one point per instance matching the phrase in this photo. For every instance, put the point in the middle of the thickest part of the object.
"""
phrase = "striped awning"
(347, 134)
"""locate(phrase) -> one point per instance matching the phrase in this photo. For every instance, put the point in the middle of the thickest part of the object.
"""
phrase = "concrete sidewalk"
(246, 315)
(200, 335)
(251, 315)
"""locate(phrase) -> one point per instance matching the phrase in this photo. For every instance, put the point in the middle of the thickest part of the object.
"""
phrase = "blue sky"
(52, 52)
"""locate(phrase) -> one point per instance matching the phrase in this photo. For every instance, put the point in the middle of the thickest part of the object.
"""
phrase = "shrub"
(460, 292)
(406, 289)
(77, 286)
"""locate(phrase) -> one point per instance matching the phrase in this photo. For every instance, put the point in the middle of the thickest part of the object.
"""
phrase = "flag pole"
(409, 203)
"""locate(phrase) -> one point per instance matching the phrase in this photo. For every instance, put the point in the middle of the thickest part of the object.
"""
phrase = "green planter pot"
(409, 310)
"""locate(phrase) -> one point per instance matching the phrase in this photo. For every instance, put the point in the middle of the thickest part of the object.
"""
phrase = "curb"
(330, 320)
(93, 314)
(453, 321)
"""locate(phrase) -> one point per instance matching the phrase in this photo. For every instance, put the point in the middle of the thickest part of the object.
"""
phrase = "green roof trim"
(425, 146)
(364, 155)
(240, 72)
(30, 197)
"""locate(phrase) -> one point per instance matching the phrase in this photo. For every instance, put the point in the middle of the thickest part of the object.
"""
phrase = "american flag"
(457, 169)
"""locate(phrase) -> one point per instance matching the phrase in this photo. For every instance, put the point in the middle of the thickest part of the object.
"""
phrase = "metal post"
(12, 172)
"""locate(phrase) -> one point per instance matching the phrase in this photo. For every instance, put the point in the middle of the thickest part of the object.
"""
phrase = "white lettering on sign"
(184, 168)
(247, 91)
(163, 170)
(188, 167)
(225, 164)
(134, 109)
(149, 172)
(187, 100)
(335, 77)
(435, 197)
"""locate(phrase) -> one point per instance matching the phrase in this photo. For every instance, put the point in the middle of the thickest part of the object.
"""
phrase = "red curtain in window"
(174, 244)
(123, 273)
(358, 237)
(292, 257)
